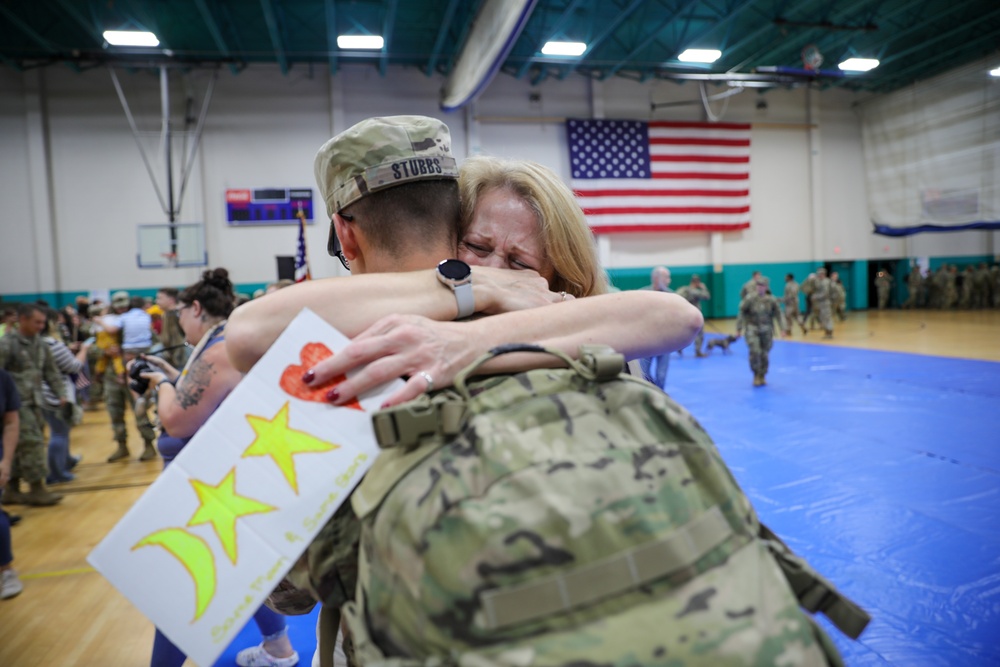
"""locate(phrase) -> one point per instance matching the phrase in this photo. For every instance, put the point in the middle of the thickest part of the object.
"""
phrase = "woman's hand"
(394, 346)
(504, 290)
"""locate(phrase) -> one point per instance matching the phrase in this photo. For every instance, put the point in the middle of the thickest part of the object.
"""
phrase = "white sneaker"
(256, 656)
(10, 585)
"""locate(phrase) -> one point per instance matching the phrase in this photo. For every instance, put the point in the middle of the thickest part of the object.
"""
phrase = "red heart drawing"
(291, 379)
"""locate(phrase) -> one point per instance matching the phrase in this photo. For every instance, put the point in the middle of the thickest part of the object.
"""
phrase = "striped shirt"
(68, 365)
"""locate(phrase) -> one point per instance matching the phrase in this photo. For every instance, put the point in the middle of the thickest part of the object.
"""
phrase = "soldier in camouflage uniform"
(883, 283)
(790, 300)
(750, 286)
(695, 293)
(914, 281)
(950, 287)
(821, 302)
(29, 360)
(171, 336)
(758, 313)
(117, 398)
(839, 294)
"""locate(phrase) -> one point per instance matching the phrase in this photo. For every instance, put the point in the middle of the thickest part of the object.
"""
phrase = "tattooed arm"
(184, 407)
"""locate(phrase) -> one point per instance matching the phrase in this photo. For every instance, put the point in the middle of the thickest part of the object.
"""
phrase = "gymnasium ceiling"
(635, 39)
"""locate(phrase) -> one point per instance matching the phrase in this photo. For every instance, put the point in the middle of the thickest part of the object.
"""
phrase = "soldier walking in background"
(660, 281)
(117, 397)
(790, 299)
(750, 286)
(821, 302)
(914, 282)
(839, 296)
(28, 360)
(695, 293)
(758, 313)
(883, 281)
(808, 287)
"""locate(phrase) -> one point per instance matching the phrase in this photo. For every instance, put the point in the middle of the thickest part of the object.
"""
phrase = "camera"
(137, 383)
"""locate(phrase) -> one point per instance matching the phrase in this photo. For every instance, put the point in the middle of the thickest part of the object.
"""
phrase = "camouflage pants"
(822, 310)
(699, 339)
(793, 316)
(116, 398)
(883, 298)
(759, 341)
(31, 456)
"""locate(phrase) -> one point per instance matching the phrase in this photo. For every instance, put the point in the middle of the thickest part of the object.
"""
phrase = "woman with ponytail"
(186, 399)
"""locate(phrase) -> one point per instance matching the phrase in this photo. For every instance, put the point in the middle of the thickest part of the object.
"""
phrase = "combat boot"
(149, 453)
(120, 453)
(757, 380)
(699, 354)
(12, 493)
(40, 496)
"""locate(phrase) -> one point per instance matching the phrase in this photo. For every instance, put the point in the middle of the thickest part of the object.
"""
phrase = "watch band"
(466, 301)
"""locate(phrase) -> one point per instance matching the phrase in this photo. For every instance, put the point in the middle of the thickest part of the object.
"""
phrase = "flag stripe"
(662, 193)
(636, 176)
(620, 210)
(728, 159)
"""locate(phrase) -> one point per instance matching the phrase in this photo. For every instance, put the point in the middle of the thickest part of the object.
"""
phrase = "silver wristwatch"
(457, 275)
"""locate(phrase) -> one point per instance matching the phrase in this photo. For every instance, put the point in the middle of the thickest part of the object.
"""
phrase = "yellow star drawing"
(281, 443)
(221, 506)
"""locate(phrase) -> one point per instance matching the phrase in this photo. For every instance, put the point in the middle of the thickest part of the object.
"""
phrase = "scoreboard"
(268, 206)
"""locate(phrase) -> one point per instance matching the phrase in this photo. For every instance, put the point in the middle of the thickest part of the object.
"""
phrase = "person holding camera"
(185, 400)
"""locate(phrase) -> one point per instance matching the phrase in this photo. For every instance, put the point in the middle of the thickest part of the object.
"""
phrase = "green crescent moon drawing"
(195, 555)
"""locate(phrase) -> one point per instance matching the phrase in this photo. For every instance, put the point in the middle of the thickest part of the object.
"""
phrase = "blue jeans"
(6, 550)
(58, 447)
(662, 364)
(165, 654)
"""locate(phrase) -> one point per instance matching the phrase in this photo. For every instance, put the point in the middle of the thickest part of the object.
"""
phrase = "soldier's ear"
(347, 234)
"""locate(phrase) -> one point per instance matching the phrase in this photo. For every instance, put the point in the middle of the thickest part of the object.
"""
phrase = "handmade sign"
(203, 547)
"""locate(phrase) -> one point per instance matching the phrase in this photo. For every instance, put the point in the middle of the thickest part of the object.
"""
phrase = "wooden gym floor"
(69, 616)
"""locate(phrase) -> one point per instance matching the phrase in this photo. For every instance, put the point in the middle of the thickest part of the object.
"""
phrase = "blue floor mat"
(883, 470)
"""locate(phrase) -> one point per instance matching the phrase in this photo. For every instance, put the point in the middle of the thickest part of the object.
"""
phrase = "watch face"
(454, 269)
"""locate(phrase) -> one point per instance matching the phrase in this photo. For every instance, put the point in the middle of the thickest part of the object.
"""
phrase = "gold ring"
(427, 377)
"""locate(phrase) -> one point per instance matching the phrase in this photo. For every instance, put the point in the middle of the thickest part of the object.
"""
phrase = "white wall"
(74, 185)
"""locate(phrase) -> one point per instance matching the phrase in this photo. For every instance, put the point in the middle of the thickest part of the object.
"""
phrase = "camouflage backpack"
(571, 517)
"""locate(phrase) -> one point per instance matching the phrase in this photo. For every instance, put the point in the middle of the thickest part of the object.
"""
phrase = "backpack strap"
(409, 424)
(564, 591)
(814, 591)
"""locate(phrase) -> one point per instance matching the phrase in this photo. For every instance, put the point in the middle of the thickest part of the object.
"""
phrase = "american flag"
(634, 176)
(301, 258)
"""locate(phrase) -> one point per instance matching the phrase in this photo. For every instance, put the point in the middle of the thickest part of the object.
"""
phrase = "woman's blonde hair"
(566, 238)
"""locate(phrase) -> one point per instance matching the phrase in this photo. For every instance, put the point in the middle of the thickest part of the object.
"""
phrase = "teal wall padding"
(60, 299)
(857, 298)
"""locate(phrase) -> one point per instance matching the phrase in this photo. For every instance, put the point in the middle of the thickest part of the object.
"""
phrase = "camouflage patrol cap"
(763, 280)
(382, 152)
(120, 298)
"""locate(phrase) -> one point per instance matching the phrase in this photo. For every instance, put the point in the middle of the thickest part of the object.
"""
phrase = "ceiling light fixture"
(360, 41)
(699, 56)
(995, 72)
(858, 64)
(564, 48)
(130, 38)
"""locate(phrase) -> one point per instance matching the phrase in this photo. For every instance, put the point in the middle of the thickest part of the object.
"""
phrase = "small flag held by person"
(635, 176)
(301, 257)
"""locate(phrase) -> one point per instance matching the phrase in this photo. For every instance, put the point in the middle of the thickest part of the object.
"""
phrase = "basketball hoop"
(171, 259)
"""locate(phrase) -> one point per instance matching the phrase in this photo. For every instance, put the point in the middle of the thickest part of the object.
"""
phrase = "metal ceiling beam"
(924, 43)
(607, 32)
(387, 25)
(894, 80)
(835, 43)
(767, 54)
(557, 26)
(649, 38)
(733, 13)
(449, 16)
(213, 29)
(271, 19)
(331, 35)
(27, 29)
(94, 32)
